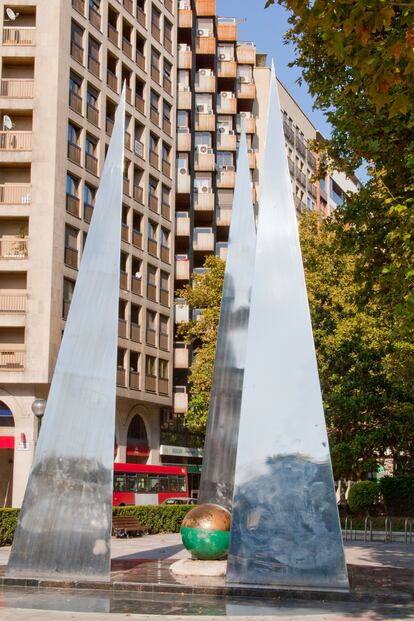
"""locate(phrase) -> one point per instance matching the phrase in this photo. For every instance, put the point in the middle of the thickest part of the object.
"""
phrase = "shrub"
(363, 496)
(398, 494)
(157, 518)
(8, 523)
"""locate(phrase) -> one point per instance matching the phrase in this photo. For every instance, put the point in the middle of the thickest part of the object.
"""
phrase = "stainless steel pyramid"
(220, 447)
(285, 527)
(64, 528)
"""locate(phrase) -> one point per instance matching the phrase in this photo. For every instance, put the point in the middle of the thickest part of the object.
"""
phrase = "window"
(164, 325)
(71, 237)
(152, 186)
(154, 101)
(166, 111)
(151, 320)
(164, 281)
(152, 275)
(93, 49)
(224, 158)
(245, 73)
(183, 79)
(165, 238)
(72, 185)
(152, 231)
(68, 289)
(166, 152)
(150, 366)
(89, 194)
(75, 84)
(153, 143)
(77, 34)
(92, 97)
(155, 60)
(225, 52)
(73, 134)
(182, 119)
(163, 369)
(90, 145)
(203, 138)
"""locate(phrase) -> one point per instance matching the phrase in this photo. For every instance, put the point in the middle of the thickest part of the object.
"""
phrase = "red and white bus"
(139, 484)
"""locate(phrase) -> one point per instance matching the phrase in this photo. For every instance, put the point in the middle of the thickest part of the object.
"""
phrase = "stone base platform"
(190, 567)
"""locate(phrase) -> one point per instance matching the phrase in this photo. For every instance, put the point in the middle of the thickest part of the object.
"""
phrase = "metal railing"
(11, 360)
(15, 194)
(369, 534)
(19, 36)
(12, 303)
(20, 89)
(15, 141)
(15, 248)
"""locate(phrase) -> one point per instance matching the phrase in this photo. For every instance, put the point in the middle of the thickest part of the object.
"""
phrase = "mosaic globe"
(205, 532)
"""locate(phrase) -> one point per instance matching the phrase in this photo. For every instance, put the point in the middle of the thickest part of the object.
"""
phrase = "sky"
(266, 28)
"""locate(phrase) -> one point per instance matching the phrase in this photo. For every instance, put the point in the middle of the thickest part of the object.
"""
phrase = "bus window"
(131, 482)
(119, 482)
(153, 484)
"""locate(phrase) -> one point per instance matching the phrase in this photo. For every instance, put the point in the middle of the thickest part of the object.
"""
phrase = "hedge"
(363, 496)
(398, 494)
(157, 518)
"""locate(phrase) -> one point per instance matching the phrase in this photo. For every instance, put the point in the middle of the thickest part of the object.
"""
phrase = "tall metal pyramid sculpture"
(285, 526)
(65, 522)
(220, 447)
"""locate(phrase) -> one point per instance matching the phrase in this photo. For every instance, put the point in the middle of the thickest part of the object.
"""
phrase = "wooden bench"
(122, 525)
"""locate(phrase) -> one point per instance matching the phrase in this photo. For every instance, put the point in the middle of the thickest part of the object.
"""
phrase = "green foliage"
(205, 294)
(363, 496)
(398, 494)
(157, 518)
(8, 523)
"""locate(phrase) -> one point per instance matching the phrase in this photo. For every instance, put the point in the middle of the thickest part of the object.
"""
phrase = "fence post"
(370, 528)
(408, 528)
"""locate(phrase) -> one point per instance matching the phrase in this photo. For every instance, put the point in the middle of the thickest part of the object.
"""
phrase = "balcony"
(205, 122)
(125, 186)
(156, 32)
(248, 122)
(138, 194)
(182, 227)
(182, 312)
(206, 45)
(163, 386)
(19, 36)
(75, 102)
(205, 159)
(226, 141)
(12, 302)
(182, 268)
(183, 141)
(153, 202)
(15, 141)
(92, 114)
(204, 201)
(113, 35)
(12, 359)
(166, 126)
(226, 179)
(223, 217)
(91, 163)
(123, 280)
(152, 247)
(165, 254)
(226, 104)
(94, 66)
(227, 30)
(122, 328)
(246, 53)
(300, 176)
(150, 383)
(180, 399)
(252, 158)
(221, 250)
(71, 257)
(181, 357)
(125, 233)
(151, 292)
(185, 18)
(134, 380)
(112, 80)
(184, 100)
(140, 60)
(206, 8)
(227, 69)
(246, 90)
(72, 205)
(127, 47)
(155, 116)
(289, 133)
(165, 210)
(136, 285)
(87, 212)
(14, 248)
(95, 18)
(15, 194)
(203, 240)
(183, 181)
(151, 337)
(74, 153)
(166, 168)
(164, 297)
(16, 89)
(205, 82)
(137, 239)
(135, 332)
(79, 6)
(141, 17)
(185, 59)
(121, 377)
(155, 74)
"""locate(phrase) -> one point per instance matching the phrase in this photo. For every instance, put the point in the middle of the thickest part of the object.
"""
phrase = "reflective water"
(174, 604)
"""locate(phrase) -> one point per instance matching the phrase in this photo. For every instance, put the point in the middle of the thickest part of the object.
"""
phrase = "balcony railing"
(127, 47)
(166, 126)
(165, 254)
(151, 292)
(151, 337)
(92, 114)
(95, 18)
(153, 202)
(75, 102)
(121, 377)
(141, 17)
(12, 302)
(153, 247)
(136, 285)
(109, 125)
(163, 386)
(140, 103)
(165, 210)
(123, 280)
(94, 66)
(19, 36)
(125, 186)
(16, 141)
(155, 116)
(135, 332)
(164, 297)
(17, 89)
(113, 34)
(15, 194)
(168, 44)
(122, 328)
(155, 74)
(125, 232)
(14, 248)
(87, 212)
(72, 205)
(137, 239)
(112, 80)
(134, 380)
(76, 51)
(150, 383)
(164, 341)
(168, 5)
(79, 6)
(128, 4)
(156, 32)
(74, 153)
(71, 257)
(12, 360)
(140, 60)
(166, 168)
(91, 163)
(138, 194)
(154, 159)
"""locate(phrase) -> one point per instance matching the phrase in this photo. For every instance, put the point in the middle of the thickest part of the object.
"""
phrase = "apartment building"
(63, 64)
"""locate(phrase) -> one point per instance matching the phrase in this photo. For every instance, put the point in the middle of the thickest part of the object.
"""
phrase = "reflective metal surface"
(220, 448)
(209, 517)
(65, 522)
(285, 527)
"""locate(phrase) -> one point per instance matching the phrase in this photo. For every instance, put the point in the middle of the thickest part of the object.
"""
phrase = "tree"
(205, 294)
(357, 59)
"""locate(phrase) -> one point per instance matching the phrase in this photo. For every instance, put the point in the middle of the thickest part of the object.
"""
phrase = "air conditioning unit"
(205, 72)
(251, 151)
(227, 94)
(183, 47)
(204, 188)
(203, 108)
(223, 130)
(245, 115)
(203, 32)
(243, 78)
(183, 171)
(202, 148)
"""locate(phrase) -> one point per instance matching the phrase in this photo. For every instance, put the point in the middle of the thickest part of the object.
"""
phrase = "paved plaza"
(385, 570)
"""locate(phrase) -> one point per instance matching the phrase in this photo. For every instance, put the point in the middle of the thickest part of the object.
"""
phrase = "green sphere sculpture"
(205, 532)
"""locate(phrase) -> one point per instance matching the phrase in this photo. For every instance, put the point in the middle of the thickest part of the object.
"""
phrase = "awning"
(180, 451)
(6, 442)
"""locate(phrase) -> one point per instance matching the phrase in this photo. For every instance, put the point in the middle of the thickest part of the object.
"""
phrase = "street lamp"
(38, 409)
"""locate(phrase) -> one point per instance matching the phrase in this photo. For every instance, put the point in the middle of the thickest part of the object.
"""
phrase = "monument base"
(190, 567)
